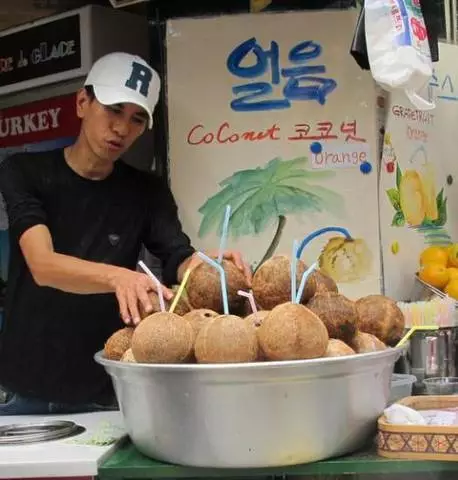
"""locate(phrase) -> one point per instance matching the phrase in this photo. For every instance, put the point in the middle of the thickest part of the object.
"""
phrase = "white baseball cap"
(124, 78)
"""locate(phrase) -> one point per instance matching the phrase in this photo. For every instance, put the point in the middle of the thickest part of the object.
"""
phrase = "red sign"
(39, 121)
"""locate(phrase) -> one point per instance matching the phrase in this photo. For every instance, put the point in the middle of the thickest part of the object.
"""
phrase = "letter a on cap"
(140, 79)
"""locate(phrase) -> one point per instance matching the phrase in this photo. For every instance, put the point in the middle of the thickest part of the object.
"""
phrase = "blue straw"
(223, 240)
(304, 278)
(319, 232)
(222, 274)
(294, 271)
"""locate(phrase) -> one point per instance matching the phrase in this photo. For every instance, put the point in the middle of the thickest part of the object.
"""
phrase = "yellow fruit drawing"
(435, 275)
(452, 289)
(412, 197)
(453, 255)
(395, 248)
(429, 190)
(452, 273)
(346, 260)
(434, 255)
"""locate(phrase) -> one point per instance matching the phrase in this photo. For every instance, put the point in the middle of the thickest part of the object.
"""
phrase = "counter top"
(75, 456)
(126, 462)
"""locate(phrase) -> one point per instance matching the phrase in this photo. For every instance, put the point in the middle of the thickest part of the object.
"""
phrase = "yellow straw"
(180, 290)
(413, 330)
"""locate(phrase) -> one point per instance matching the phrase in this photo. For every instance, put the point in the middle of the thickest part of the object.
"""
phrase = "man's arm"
(27, 223)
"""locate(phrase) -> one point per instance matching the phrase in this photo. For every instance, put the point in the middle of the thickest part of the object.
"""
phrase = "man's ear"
(82, 102)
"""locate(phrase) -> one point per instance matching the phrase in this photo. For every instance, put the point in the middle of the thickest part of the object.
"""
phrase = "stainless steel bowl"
(253, 415)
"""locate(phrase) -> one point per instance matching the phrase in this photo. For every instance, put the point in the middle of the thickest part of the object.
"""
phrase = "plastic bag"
(398, 47)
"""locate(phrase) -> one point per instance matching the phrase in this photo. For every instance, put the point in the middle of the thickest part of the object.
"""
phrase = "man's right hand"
(131, 290)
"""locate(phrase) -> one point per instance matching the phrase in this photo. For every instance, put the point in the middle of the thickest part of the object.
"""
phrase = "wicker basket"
(419, 442)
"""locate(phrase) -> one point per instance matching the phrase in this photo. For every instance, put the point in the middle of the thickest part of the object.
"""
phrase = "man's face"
(109, 130)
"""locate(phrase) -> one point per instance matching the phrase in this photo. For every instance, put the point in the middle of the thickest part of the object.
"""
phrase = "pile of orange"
(439, 268)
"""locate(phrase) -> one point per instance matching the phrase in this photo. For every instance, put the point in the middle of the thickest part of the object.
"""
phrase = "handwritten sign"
(341, 156)
(303, 79)
(277, 121)
(442, 87)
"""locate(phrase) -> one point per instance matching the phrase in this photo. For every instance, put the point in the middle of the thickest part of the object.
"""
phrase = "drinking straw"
(304, 278)
(294, 271)
(180, 290)
(413, 330)
(153, 277)
(319, 232)
(250, 297)
(222, 274)
(223, 240)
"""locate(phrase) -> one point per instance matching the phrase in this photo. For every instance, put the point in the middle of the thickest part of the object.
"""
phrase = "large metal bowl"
(252, 415)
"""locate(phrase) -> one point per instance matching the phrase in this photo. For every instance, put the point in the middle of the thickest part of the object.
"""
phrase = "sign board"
(47, 49)
(276, 120)
(418, 176)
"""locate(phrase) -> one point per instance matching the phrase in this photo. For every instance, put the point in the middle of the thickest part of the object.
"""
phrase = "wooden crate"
(420, 442)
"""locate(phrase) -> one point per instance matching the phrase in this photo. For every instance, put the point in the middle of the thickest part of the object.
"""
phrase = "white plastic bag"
(398, 47)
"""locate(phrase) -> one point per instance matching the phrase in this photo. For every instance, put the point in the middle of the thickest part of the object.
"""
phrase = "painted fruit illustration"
(346, 260)
(429, 192)
(412, 198)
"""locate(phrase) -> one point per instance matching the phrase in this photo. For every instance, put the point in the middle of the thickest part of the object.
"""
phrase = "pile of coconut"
(324, 323)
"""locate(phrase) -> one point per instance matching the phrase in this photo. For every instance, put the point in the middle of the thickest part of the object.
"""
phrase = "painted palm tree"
(262, 197)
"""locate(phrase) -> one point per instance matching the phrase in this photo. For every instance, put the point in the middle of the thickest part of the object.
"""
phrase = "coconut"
(118, 343)
(337, 348)
(128, 357)
(204, 287)
(181, 308)
(199, 317)
(318, 282)
(272, 281)
(257, 318)
(292, 332)
(380, 316)
(366, 343)
(226, 339)
(338, 313)
(163, 337)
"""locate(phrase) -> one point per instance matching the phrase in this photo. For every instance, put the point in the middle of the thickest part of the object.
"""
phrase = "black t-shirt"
(49, 337)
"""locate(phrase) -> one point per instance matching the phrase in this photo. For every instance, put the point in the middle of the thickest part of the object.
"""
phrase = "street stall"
(294, 374)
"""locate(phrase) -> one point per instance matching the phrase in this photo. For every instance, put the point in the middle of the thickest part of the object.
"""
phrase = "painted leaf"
(398, 220)
(395, 200)
(398, 176)
(259, 196)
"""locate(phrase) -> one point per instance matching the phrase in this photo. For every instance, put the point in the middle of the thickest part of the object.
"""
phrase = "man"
(77, 221)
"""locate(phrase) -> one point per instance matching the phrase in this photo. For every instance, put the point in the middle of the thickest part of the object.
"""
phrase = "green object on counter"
(127, 462)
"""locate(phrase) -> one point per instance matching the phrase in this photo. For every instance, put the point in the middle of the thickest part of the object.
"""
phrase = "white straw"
(153, 277)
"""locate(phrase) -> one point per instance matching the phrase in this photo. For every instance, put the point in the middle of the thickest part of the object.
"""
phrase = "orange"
(452, 289)
(453, 255)
(452, 273)
(435, 255)
(435, 275)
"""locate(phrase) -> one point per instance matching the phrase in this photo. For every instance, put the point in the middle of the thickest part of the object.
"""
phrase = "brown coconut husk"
(337, 348)
(380, 316)
(338, 313)
(181, 308)
(128, 357)
(318, 282)
(204, 287)
(292, 332)
(272, 281)
(198, 318)
(366, 343)
(256, 319)
(226, 339)
(163, 337)
(118, 343)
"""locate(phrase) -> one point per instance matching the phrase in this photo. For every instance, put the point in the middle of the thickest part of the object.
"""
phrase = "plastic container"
(401, 386)
(441, 385)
